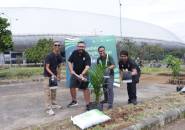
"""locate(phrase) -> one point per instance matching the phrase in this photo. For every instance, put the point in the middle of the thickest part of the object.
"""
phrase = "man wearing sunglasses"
(79, 62)
(52, 69)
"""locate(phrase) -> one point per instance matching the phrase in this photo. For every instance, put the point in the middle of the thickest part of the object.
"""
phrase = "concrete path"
(179, 125)
(22, 104)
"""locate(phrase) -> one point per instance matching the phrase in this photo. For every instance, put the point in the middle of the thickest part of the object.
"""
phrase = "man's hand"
(82, 78)
(59, 77)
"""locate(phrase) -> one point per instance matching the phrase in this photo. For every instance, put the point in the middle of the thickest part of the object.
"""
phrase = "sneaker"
(129, 101)
(110, 107)
(72, 104)
(87, 107)
(50, 112)
(56, 106)
(134, 102)
(104, 101)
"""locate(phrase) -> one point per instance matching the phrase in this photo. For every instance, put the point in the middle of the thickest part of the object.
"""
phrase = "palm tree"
(96, 74)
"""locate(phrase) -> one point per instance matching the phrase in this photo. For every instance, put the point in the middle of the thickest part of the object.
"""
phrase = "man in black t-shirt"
(127, 64)
(106, 60)
(79, 62)
(52, 68)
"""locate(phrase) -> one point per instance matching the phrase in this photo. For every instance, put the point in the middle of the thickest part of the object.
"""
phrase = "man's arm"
(59, 72)
(70, 65)
(48, 70)
(111, 66)
(112, 63)
(88, 64)
(85, 70)
(120, 74)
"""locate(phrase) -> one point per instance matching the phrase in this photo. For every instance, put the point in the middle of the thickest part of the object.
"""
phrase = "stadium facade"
(28, 25)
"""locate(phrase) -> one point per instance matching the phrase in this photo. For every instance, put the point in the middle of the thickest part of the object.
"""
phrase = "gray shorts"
(76, 83)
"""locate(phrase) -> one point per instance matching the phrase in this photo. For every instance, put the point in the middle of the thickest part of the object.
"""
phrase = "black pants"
(131, 89)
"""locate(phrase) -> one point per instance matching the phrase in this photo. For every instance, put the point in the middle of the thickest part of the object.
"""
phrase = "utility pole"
(120, 18)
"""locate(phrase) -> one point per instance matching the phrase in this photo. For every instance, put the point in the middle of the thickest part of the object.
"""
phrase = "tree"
(128, 45)
(174, 64)
(96, 74)
(5, 35)
(37, 53)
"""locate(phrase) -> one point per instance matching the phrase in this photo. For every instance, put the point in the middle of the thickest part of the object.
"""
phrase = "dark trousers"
(108, 90)
(131, 89)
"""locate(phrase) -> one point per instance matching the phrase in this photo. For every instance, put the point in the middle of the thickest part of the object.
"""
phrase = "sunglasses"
(57, 45)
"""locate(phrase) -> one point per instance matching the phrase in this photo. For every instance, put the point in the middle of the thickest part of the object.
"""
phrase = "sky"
(169, 14)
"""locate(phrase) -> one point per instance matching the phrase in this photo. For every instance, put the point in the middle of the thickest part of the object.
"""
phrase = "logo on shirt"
(83, 58)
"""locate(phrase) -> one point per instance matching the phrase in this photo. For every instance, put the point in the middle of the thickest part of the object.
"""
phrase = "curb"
(158, 121)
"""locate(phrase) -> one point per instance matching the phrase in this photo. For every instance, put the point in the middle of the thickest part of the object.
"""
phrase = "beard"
(81, 51)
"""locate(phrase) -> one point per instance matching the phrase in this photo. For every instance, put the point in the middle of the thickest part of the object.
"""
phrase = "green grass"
(152, 70)
(20, 72)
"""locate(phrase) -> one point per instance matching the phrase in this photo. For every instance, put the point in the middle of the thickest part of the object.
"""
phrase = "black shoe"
(134, 102)
(87, 107)
(129, 101)
(110, 106)
(104, 101)
(72, 104)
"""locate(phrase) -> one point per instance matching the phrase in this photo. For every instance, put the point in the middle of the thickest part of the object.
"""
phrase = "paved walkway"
(22, 104)
(179, 125)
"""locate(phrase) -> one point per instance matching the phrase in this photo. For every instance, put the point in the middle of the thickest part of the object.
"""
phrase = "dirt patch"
(154, 79)
(122, 117)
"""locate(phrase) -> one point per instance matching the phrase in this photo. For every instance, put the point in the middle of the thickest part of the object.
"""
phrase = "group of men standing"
(79, 63)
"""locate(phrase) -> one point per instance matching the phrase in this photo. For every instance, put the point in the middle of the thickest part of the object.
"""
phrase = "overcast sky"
(169, 14)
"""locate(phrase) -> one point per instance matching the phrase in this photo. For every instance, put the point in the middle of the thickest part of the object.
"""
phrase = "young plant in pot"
(96, 74)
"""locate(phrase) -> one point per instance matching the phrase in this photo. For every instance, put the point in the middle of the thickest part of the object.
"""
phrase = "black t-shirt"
(130, 64)
(53, 60)
(79, 61)
(110, 62)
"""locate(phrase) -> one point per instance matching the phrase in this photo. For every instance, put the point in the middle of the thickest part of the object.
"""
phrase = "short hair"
(81, 42)
(101, 47)
(56, 42)
(124, 52)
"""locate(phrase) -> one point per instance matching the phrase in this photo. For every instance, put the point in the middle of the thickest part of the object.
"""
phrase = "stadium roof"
(39, 21)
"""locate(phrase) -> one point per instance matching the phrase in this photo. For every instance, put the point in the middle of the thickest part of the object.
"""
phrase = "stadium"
(28, 25)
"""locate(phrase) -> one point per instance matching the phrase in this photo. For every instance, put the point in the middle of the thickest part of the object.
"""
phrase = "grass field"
(27, 72)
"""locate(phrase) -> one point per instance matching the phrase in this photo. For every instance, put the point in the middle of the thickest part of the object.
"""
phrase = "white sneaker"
(56, 106)
(50, 112)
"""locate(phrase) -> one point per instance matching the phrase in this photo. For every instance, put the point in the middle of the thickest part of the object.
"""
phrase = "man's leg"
(110, 92)
(86, 96)
(129, 91)
(105, 93)
(53, 95)
(47, 92)
(48, 98)
(73, 93)
(73, 84)
(134, 97)
(132, 93)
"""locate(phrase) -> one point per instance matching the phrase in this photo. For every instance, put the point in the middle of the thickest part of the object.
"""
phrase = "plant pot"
(94, 105)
